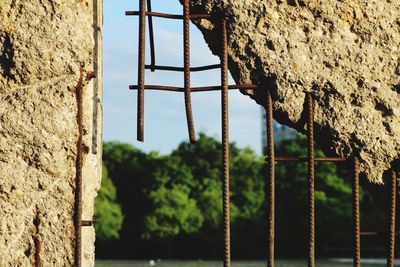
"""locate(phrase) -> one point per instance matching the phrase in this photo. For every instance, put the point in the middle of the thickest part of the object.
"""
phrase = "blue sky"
(165, 122)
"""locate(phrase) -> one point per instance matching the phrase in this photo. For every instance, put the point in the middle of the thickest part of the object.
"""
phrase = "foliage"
(174, 212)
(174, 201)
(107, 210)
(332, 200)
(204, 160)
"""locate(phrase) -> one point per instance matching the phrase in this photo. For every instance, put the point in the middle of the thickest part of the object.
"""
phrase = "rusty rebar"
(141, 70)
(356, 213)
(270, 181)
(378, 234)
(186, 46)
(318, 159)
(37, 240)
(38, 248)
(192, 69)
(78, 174)
(88, 223)
(392, 220)
(90, 75)
(151, 38)
(194, 89)
(168, 16)
(311, 182)
(225, 143)
(374, 234)
(311, 159)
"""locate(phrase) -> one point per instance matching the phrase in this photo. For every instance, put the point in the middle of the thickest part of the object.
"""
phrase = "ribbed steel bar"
(392, 221)
(186, 48)
(297, 159)
(356, 213)
(270, 182)
(375, 234)
(37, 239)
(88, 223)
(311, 174)
(151, 38)
(141, 70)
(225, 143)
(194, 89)
(168, 16)
(370, 234)
(38, 248)
(79, 174)
(179, 69)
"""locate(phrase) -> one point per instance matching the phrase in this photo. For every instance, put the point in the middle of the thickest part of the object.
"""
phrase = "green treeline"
(157, 206)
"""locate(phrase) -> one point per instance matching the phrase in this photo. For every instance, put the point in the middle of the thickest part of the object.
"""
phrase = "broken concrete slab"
(346, 54)
(47, 50)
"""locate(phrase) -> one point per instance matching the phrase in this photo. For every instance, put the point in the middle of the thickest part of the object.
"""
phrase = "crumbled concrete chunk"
(45, 47)
(346, 53)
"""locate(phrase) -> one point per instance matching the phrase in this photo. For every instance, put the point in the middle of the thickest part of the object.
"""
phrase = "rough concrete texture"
(44, 45)
(346, 53)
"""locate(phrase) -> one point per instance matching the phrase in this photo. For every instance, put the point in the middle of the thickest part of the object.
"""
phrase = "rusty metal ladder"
(145, 11)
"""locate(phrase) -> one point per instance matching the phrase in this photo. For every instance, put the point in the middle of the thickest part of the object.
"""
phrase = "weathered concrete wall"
(48, 50)
(345, 53)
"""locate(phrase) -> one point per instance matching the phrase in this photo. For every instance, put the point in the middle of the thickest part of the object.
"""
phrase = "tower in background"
(281, 132)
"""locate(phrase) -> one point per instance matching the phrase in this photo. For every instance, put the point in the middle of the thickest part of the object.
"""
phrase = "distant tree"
(174, 213)
(247, 183)
(134, 174)
(107, 211)
(247, 190)
(175, 200)
(332, 200)
(155, 193)
(204, 160)
(173, 210)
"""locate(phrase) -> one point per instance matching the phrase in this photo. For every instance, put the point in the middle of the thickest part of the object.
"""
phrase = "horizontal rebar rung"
(194, 89)
(88, 223)
(168, 16)
(181, 69)
(297, 159)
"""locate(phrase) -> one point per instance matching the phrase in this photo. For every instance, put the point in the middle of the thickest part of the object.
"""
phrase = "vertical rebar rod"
(79, 173)
(225, 143)
(188, 99)
(356, 213)
(270, 182)
(141, 70)
(392, 221)
(311, 174)
(151, 38)
(37, 239)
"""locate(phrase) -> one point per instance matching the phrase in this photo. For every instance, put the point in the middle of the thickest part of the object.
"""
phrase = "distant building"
(281, 132)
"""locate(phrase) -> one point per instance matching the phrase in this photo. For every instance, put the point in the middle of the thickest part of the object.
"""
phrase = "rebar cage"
(146, 11)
